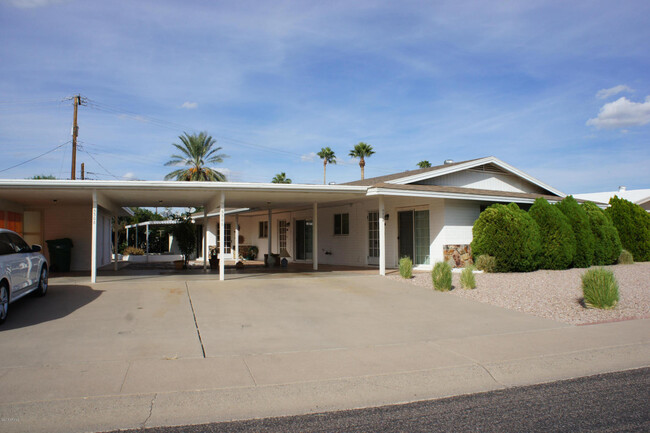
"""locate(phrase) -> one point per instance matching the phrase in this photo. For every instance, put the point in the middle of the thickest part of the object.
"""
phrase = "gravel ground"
(555, 295)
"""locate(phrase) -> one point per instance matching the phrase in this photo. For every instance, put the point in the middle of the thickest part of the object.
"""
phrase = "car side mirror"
(36, 248)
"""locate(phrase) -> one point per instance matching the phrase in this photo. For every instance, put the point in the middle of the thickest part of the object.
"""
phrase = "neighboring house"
(426, 214)
(638, 196)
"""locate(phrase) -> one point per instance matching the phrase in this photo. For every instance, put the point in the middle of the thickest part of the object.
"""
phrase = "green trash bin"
(60, 254)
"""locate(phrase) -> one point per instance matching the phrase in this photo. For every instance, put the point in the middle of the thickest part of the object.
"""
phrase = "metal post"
(314, 234)
(115, 249)
(222, 225)
(205, 236)
(382, 237)
(93, 252)
(146, 227)
(270, 229)
(236, 238)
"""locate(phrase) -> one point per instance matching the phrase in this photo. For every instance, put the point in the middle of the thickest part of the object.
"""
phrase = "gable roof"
(638, 196)
(413, 176)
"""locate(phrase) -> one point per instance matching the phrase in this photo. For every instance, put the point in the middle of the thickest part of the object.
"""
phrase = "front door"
(304, 231)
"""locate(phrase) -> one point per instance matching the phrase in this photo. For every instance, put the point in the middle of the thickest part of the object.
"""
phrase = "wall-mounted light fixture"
(386, 217)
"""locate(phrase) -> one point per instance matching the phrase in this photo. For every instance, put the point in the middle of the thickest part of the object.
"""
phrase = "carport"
(111, 197)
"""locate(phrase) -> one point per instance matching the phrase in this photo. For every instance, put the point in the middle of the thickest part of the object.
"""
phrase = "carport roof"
(116, 194)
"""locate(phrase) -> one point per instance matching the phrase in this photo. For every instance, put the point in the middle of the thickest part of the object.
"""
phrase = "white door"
(373, 238)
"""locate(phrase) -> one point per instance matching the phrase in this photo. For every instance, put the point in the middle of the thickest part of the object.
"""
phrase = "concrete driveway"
(171, 350)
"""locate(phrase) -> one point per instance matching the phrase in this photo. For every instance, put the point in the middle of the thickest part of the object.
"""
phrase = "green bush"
(607, 245)
(508, 234)
(441, 276)
(467, 279)
(486, 263)
(625, 258)
(633, 225)
(133, 251)
(600, 288)
(406, 267)
(558, 240)
(579, 221)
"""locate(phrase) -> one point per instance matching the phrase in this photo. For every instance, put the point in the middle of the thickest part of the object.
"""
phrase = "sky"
(560, 90)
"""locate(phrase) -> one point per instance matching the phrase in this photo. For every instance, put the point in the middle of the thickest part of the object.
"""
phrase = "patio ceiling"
(38, 193)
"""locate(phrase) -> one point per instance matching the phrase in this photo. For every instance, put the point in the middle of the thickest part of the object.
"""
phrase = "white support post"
(222, 225)
(146, 227)
(93, 241)
(382, 237)
(270, 229)
(115, 250)
(137, 227)
(314, 235)
(205, 236)
(127, 236)
(236, 238)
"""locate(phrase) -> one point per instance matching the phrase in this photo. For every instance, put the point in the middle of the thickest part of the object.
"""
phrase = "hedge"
(607, 245)
(510, 235)
(558, 240)
(633, 225)
(580, 223)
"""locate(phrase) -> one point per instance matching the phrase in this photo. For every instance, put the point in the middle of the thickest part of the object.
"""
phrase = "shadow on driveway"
(60, 301)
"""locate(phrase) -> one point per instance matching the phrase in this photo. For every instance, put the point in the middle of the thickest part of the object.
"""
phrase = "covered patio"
(110, 198)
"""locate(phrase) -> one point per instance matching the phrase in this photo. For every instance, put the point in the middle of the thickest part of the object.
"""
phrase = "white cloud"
(309, 157)
(129, 176)
(622, 113)
(189, 105)
(28, 4)
(606, 93)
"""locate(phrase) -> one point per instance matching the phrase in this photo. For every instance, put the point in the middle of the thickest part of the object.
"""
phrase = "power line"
(98, 163)
(36, 157)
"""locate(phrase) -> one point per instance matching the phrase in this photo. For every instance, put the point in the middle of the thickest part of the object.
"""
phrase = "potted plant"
(184, 232)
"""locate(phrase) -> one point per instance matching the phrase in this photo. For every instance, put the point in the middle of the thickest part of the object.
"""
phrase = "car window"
(19, 244)
(5, 246)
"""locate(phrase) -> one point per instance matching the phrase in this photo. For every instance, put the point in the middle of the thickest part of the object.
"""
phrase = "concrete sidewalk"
(132, 356)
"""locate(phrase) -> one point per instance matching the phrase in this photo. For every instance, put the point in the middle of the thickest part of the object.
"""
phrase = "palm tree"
(328, 157)
(424, 164)
(281, 178)
(362, 151)
(196, 152)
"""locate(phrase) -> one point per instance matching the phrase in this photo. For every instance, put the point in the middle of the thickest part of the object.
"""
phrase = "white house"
(637, 196)
(426, 214)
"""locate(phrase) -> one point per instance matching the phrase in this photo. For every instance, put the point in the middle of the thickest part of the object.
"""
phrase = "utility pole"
(77, 100)
(83, 172)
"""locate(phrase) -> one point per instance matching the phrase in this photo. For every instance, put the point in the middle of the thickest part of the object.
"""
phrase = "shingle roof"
(379, 179)
(468, 191)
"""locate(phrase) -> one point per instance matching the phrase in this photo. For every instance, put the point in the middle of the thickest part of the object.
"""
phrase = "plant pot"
(214, 263)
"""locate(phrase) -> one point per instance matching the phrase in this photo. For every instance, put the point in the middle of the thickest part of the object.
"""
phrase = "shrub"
(579, 221)
(184, 232)
(441, 276)
(558, 240)
(508, 234)
(467, 279)
(600, 288)
(486, 263)
(607, 245)
(633, 225)
(133, 251)
(625, 258)
(406, 267)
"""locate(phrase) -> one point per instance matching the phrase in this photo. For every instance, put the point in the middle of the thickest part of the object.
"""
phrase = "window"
(264, 229)
(227, 246)
(19, 244)
(282, 235)
(342, 224)
(5, 245)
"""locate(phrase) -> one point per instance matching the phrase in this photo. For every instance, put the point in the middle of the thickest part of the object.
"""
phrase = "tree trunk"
(362, 164)
(325, 172)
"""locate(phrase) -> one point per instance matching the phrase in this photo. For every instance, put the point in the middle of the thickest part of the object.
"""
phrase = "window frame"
(263, 230)
(343, 224)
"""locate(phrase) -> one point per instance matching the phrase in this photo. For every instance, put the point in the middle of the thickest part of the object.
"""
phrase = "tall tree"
(281, 178)
(328, 157)
(197, 150)
(43, 177)
(424, 164)
(362, 151)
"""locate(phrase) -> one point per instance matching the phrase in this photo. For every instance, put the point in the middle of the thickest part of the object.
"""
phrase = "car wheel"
(4, 302)
(42, 283)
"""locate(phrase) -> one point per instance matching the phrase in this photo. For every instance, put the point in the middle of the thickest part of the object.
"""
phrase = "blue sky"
(557, 89)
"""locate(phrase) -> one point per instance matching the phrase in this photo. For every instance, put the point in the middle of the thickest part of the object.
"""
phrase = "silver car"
(23, 270)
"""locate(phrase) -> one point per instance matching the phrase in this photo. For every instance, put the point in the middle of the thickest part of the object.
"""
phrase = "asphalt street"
(613, 402)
